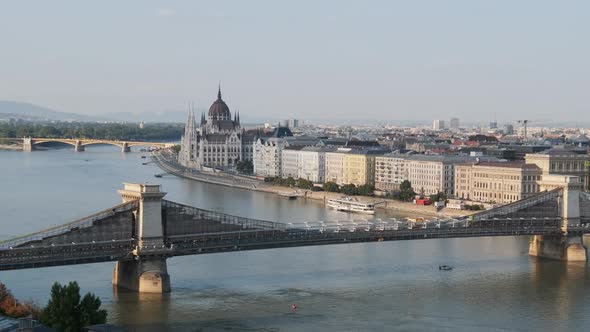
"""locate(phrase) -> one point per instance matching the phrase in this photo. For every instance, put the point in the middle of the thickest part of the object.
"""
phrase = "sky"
(361, 60)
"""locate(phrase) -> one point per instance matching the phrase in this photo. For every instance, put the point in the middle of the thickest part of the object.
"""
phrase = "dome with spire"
(219, 109)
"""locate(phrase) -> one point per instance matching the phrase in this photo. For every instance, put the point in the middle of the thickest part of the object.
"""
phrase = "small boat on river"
(445, 267)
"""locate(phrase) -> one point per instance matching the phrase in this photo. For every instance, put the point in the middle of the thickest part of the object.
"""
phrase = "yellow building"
(496, 182)
(359, 167)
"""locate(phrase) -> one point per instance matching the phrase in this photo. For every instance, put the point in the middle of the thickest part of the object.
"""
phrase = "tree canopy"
(66, 312)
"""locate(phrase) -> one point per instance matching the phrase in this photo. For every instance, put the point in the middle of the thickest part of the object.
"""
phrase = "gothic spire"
(219, 92)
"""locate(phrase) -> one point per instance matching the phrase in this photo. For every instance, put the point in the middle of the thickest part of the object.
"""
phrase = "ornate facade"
(218, 141)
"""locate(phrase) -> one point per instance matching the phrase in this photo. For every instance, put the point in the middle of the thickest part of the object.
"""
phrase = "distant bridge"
(29, 143)
(145, 230)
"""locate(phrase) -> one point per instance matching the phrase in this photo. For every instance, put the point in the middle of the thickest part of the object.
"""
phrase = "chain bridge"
(142, 232)
(79, 144)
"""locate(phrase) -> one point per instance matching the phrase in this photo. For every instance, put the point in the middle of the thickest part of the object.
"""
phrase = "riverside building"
(496, 182)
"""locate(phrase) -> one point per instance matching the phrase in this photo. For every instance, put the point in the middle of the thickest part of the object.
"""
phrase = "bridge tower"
(78, 147)
(126, 147)
(28, 144)
(148, 272)
(568, 247)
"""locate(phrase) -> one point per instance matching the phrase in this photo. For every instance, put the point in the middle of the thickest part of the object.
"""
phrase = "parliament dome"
(219, 109)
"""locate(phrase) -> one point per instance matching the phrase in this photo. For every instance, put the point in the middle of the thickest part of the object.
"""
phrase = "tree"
(366, 190)
(405, 185)
(331, 187)
(304, 184)
(11, 307)
(176, 148)
(245, 167)
(348, 189)
(65, 312)
(404, 194)
(438, 197)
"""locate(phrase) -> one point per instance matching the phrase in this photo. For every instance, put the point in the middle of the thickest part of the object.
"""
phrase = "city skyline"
(392, 61)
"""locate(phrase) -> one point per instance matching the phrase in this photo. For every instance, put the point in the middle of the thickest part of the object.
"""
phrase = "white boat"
(350, 204)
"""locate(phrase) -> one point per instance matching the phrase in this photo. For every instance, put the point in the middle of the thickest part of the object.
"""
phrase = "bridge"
(79, 144)
(145, 230)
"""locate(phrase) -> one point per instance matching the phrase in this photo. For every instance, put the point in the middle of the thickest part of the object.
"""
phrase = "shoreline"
(11, 147)
(232, 181)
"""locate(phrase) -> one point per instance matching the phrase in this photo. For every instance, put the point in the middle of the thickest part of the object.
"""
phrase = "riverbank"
(165, 161)
(10, 147)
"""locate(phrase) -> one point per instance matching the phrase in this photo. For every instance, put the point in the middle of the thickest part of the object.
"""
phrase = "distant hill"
(31, 112)
(164, 116)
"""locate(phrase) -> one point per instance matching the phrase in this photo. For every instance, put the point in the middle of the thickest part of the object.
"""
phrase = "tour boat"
(349, 204)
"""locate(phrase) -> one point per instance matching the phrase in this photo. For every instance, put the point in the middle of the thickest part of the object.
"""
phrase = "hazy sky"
(306, 59)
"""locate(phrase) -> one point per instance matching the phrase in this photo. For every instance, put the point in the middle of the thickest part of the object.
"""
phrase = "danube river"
(372, 286)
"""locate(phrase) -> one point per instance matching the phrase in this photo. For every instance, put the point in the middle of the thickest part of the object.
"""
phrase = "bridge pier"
(147, 273)
(28, 144)
(566, 247)
(142, 275)
(126, 147)
(78, 147)
(560, 247)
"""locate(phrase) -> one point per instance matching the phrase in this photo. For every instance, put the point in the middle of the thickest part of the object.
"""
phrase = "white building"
(312, 163)
(267, 151)
(438, 125)
(390, 171)
(290, 162)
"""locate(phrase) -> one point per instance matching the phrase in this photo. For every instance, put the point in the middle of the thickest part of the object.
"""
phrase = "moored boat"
(350, 204)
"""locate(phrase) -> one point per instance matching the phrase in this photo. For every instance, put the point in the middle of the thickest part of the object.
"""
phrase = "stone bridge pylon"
(147, 272)
(571, 204)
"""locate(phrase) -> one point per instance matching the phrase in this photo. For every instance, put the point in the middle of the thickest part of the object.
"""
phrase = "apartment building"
(359, 166)
(390, 171)
(431, 174)
(334, 165)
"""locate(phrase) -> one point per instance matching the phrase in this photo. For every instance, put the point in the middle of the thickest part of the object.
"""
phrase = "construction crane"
(524, 123)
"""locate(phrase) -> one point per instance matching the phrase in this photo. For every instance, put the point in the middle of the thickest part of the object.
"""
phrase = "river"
(374, 286)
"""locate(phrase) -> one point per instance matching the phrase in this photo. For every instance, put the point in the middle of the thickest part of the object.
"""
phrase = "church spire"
(219, 92)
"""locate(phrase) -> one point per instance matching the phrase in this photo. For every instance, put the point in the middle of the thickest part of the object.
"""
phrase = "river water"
(374, 286)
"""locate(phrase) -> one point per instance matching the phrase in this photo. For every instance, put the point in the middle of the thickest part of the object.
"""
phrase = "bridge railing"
(224, 219)
(518, 205)
(87, 221)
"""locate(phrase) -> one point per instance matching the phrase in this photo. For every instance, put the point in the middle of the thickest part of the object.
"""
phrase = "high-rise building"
(438, 124)
(493, 125)
(508, 129)
(454, 124)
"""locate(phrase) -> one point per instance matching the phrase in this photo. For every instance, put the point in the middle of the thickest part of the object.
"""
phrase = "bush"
(331, 187)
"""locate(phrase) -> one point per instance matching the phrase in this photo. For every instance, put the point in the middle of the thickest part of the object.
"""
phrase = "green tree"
(365, 190)
(176, 148)
(245, 167)
(405, 192)
(437, 197)
(66, 313)
(304, 184)
(331, 187)
(348, 189)
(405, 185)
